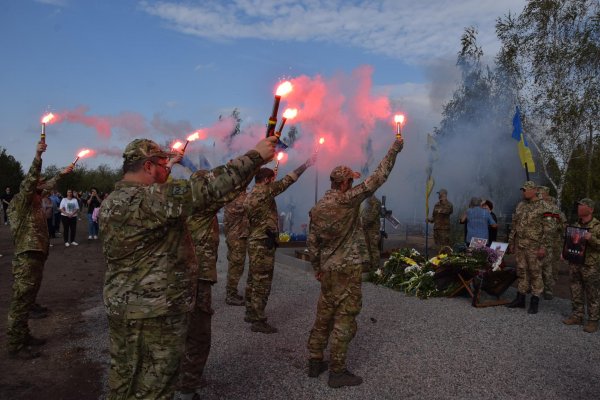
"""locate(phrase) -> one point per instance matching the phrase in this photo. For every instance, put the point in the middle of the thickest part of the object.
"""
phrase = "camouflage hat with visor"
(142, 149)
(342, 173)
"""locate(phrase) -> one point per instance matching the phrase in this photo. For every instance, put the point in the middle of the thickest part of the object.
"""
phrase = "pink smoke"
(132, 124)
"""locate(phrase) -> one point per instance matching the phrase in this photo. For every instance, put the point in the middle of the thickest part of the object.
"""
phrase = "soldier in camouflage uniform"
(441, 219)
(204, 230)
(530, 240)
(370, 217)
(585, 279)
(557, 224)
(151, 277)
(31, 240)
(261, 209)
(236, 226)
(338, 251)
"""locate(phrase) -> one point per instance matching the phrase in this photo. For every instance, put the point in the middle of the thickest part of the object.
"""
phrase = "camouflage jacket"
(151, 265)
(235, 220)
(28, 222)
(261, 207)
(204, 228)
(531, 226)
(336, 240)
(441, 215)
(556, 222)
(592, 248)
(370, 214)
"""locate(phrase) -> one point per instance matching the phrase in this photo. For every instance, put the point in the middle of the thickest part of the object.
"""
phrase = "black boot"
(316, 367)
(519, 302)
(533, 305)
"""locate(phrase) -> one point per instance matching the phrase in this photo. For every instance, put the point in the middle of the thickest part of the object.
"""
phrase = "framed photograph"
(500, 248)
(477, 243)
(575, 243)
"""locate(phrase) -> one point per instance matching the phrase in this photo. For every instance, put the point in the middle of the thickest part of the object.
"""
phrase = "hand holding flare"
(45, 120)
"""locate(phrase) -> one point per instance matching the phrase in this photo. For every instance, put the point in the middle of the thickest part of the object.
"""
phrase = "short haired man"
(441, 219)
(31, 240)
(151, 276)
(338, 251)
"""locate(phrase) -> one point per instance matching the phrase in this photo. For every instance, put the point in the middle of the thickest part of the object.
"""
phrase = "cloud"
(57, 3)
(408, 30)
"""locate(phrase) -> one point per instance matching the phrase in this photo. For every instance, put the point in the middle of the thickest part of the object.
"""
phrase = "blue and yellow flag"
(523, 146)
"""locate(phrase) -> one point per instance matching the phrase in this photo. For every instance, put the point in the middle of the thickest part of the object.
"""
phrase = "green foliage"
(82, 178)
(12, 172)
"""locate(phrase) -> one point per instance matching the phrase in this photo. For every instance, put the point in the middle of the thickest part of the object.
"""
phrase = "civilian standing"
(69, 207)
(92, 202)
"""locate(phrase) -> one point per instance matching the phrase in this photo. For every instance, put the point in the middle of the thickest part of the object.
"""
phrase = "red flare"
(46, 119)
(284, 88)
(399, 119)
(280, 156)
(199, 134)
(322, 140)
(177, 145)
(84, 153)
(290, 113)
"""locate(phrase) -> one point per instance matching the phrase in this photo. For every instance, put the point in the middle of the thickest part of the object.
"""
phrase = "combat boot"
(263, 327)
(316, 368)
(234, 301)
(24, 353)
(344, 378)
(573, 320)
(518, 302)
(533, 305)
(591, 327)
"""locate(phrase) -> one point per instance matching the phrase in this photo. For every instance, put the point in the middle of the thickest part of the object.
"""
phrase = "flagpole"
(526, 171)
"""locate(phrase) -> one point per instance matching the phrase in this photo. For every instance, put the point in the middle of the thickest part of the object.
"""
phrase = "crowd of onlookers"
(66, 211)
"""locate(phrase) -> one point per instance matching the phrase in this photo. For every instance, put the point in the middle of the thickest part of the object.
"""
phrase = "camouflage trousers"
(145, 355)
(585, 286)
(373, 238)
(339, 303)
(236, 257)
(260, 278)
(197, 343)
(441, 237)
(550, 265)
(529, 272)
(27, 269)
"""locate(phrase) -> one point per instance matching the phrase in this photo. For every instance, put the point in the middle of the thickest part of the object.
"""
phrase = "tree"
(292, 136)
(12, 172)
(550, 54)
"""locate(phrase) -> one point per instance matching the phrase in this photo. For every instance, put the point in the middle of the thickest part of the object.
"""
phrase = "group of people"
(160, 238)
(537, 239)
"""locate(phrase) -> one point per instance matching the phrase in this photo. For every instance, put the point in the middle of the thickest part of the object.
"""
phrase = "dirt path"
(71, 288)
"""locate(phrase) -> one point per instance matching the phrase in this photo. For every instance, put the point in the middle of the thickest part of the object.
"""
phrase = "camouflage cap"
(443, 191)
(341, 173)
(141, 149)
(587, 202)
(544, 189)
(529, 185)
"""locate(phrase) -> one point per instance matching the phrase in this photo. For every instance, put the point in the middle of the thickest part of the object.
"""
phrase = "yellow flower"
(409, 261)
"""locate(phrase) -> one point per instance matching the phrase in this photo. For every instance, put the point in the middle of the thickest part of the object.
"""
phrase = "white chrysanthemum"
(430, 273)
(379, 272)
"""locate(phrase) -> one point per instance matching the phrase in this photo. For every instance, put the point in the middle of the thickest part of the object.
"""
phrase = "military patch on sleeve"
(179, 190)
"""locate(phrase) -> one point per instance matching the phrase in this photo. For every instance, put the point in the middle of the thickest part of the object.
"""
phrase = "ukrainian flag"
(524, 150)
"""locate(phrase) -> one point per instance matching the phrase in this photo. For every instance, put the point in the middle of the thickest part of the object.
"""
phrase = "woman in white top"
(69, 207)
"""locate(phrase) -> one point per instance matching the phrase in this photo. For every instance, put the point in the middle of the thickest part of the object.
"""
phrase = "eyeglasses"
(165, 166)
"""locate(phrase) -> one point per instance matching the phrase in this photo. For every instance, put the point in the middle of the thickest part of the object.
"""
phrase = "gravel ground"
(404, 348)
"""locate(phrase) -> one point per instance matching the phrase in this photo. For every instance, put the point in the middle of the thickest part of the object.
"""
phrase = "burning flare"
(399, 118)
(280, 156)
(199, 134)
(47, 118)
(322, 140)
(284, 88)
(177, 145)
(290, 113)
(83, 153)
